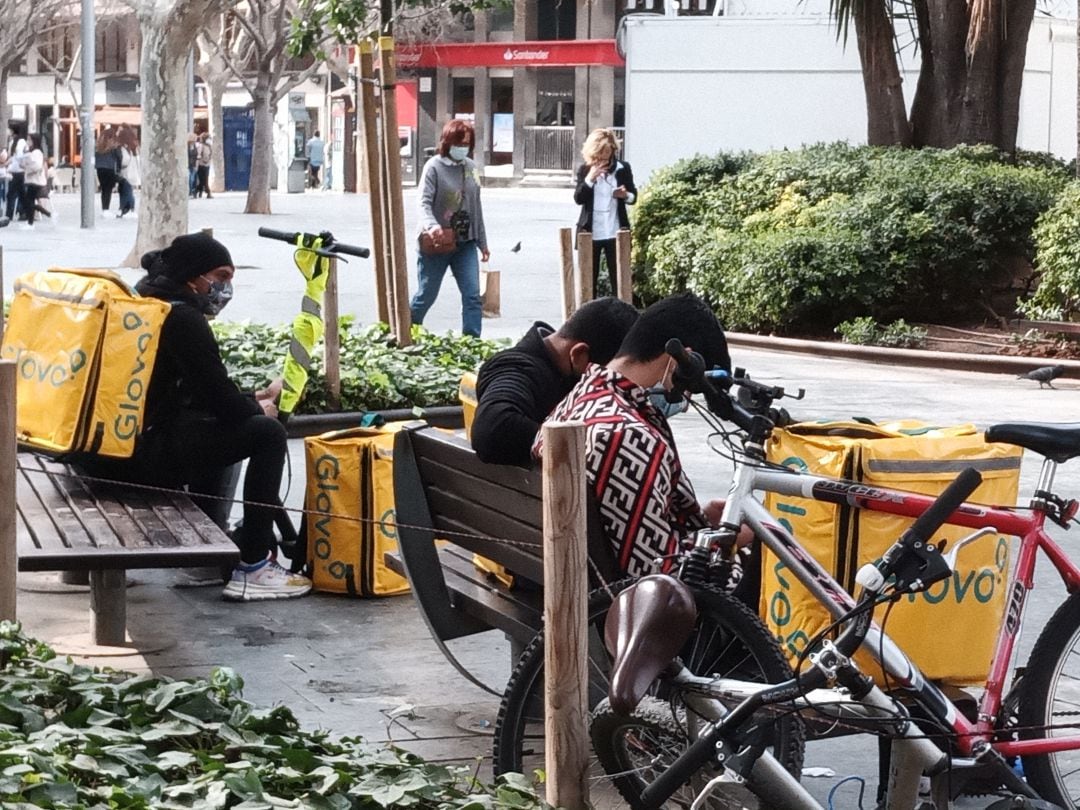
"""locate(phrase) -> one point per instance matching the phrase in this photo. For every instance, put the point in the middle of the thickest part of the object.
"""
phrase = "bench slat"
(454, 452)
(83, 504)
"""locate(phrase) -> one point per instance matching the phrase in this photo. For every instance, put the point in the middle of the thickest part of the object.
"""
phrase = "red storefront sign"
(544, 53)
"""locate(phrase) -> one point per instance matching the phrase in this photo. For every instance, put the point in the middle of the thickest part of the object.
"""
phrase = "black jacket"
(583, 195)
(189, 374)
(516, 390)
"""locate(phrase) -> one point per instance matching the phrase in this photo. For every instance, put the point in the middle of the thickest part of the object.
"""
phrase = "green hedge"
(376, 374)
(1057, 239)
(803, 240)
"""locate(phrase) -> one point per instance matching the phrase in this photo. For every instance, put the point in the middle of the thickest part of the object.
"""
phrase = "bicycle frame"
(743, 507)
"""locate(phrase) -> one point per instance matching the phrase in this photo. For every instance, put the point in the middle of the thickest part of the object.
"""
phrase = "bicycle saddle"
(646, 626)
(1057, 441)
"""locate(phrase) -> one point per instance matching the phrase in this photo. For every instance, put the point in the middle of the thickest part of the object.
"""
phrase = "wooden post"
(395, 212)
(207, 231)
(585, 268)
(565, 616)
(569, 289)
(624, 272)
(3, 324)
(8, 558)
(331, 339)
(490, 292)
(372, 163)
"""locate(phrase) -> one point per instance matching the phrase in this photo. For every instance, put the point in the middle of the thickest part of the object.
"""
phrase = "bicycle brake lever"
(951, 555)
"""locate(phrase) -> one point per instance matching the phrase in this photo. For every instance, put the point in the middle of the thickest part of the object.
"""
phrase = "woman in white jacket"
(34, 181)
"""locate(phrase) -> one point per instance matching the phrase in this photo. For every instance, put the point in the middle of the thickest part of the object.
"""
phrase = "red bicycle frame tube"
(1027, 525)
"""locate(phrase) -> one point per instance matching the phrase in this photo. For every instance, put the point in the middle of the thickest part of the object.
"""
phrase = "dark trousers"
(15, 193)
(313, 172)
(127, 195)
(107, 181)
(195, 450)
(605, 248)
(31, 193)
(202, 181)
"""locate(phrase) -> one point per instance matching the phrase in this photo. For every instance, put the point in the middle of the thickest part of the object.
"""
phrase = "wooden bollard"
(624, 272)
(569, 288)
(585, 268)
(7, 491)
(207, 232)
(565, 616)
(331, 339)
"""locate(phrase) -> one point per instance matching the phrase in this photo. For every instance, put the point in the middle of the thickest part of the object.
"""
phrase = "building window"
(501, 18)
(555, 98)
(111, 53)
(57, 48)
(556, 19)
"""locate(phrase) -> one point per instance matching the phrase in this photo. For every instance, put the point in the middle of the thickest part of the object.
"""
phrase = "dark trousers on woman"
(31, 193)
(107, 181)
(605, 248)
(15, 194)
(202, 182)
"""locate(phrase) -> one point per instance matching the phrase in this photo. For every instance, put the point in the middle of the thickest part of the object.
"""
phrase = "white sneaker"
(265, 580)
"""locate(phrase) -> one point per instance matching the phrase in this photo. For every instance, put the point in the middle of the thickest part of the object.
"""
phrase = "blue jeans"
(464, 263)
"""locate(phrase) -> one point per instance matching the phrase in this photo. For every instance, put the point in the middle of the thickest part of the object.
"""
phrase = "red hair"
(456, 133)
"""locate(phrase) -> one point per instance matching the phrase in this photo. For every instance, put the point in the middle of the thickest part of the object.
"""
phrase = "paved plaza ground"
(348, 665)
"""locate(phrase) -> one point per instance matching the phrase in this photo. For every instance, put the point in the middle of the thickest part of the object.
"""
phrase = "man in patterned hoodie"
(647, 504)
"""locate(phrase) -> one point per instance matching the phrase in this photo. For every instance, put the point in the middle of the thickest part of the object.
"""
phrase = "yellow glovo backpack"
(964, 610)
(84, 345)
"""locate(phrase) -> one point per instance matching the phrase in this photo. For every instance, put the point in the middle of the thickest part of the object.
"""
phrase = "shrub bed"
(376, 374)
(800, 241)
(75, 737)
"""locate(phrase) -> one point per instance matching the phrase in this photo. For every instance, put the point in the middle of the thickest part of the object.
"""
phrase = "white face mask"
(658, 398)
(459, 153)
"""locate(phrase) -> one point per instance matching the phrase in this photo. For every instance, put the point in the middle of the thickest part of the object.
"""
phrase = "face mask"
(658, 399)
(219, 294)
(459, 153)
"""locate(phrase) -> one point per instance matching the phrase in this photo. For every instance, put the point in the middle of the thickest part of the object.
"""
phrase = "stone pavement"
(368, 666)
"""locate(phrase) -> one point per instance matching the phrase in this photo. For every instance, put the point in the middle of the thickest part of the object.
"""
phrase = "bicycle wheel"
(729, 641)
(1050, 705)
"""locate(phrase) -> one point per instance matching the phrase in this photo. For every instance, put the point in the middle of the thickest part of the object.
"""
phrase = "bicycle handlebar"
(328, 242)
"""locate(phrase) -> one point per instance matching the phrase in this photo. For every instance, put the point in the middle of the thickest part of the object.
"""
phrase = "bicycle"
(663, 739)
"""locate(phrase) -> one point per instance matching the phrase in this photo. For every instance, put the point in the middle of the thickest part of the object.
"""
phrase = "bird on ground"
(516, 248)
(1043, 376)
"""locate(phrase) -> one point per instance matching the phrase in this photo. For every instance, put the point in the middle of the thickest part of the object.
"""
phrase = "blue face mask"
(217, 297)
(459, 153)
(658, 399)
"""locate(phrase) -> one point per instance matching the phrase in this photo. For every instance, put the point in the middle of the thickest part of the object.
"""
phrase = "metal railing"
(553, 149)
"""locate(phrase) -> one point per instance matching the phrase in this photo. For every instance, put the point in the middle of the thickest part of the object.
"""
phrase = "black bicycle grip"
(690, 366)
(283, 236)
(351, 250)
(955, 494)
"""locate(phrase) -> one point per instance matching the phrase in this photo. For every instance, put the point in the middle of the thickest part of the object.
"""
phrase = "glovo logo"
(57, 372)
(327, 470)
(126, 424)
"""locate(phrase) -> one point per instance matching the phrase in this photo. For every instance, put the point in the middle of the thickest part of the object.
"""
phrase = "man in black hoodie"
(517, 388)
(197, 421)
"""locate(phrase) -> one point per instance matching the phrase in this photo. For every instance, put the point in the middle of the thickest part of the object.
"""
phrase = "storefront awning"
(132, 116)
(539, 53)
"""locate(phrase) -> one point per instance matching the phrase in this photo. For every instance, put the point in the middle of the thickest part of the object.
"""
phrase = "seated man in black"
(517, 388)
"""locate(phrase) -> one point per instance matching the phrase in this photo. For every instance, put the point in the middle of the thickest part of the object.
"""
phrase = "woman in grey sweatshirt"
(450, 198)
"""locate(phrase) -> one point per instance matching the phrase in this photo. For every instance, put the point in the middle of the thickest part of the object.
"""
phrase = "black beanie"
(188, 257)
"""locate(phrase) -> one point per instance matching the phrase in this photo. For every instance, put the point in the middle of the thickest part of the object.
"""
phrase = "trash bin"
(297, 176)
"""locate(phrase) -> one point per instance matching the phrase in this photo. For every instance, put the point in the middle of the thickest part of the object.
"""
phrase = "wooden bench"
(443, 492)
(68, 524)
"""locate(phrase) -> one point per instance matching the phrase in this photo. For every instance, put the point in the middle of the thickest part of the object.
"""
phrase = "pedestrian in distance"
(605, 186)
(203, 157)
(315, 150)
(35, 180)
(4, 176)
(127, 191)
(107, 165)
(16, 148)
(450, 201)
(192, 162)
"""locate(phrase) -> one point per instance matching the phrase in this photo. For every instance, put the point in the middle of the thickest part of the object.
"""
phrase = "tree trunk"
(258, 198)
(980, 119)
(938, 102)
(3, 103)
(886, 114)
(1020, 14)
(216, 89)
(163, 214)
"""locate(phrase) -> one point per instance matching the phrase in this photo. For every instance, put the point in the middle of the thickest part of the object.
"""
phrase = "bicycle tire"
(518, 744)
(1054, 662)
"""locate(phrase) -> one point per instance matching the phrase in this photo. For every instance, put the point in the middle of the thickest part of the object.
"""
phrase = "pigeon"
(1044, 376)
(516, 248)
